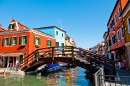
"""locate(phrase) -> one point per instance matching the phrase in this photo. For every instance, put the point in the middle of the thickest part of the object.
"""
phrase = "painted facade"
(69, 41)
(18, 41)
(126, 18)
(55, 31)
(116, 32)
(107, 45)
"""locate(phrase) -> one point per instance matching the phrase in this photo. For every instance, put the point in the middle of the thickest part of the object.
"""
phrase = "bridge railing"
(65, 51)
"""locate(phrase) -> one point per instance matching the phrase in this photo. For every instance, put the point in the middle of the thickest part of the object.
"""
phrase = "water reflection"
(65, 77)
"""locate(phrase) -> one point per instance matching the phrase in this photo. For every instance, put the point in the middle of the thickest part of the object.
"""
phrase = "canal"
(65, 77)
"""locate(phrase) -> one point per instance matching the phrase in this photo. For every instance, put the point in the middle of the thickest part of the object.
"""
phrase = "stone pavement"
(11, 72)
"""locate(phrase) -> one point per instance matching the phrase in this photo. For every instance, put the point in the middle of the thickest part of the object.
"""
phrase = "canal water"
(65, 77)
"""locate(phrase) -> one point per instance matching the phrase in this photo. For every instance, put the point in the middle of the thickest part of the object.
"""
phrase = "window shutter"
(26, 38)
(3, 41)
(11, 40)
(39, 41)
(21, 40)
(16, 40)
(8, 41)
(50, 42)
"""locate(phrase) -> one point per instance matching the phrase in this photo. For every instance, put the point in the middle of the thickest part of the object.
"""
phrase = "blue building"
(55, 31)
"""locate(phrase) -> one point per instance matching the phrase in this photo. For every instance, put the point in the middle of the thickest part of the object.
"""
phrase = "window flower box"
(37, 46)
(22, 45)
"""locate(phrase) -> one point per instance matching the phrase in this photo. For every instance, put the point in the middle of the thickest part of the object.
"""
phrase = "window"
(119, 37)
(13, 40)
(5, 41)
(36, 40)
(56, 32)
(23, 40)
(62, 35)
(21, 58)
(115, 19)
(122, 32)
(128, 24)
(48, 42)
(114, 39)
(119, 11)
(57, 44)
(11, 26)
(62, 44)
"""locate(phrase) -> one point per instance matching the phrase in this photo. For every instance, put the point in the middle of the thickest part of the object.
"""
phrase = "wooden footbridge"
(68, 54)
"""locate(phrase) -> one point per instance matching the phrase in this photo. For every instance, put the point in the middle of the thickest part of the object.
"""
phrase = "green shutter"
(39, 41)
(56, 32)
(57, 44)
(62, 34)
(26, 38)
(8, 41)
(11, 40)
(16, 40)
(47, 43)
(50, 42)
(3, 41)
(62, 44)
(21, 40)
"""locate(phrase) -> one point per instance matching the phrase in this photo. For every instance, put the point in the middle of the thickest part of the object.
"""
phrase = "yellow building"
(126, 18)
(69, 42)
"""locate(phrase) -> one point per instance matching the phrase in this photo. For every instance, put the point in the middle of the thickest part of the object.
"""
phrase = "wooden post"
(72, 49)
(52, 53)
(91, 69)
(37, 55)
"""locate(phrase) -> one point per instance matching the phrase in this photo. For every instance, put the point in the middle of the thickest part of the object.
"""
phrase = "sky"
(84, 20)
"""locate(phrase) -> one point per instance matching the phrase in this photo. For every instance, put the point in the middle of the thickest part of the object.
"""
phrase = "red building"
(18, 41)
(116, 31)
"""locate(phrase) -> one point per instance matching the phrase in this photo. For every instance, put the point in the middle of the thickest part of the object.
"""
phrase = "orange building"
(18, 41)
(116, 31)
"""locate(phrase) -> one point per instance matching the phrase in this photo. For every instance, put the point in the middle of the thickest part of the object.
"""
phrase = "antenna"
(60, 22)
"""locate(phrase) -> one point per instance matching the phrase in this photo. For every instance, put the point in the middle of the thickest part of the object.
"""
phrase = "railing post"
(37, 55)
(72, 53)
(52, 53)
(91, 75)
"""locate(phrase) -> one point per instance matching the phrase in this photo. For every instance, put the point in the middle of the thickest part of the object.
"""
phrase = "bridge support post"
(52, 53)
(37, 55)
(72, 53)
(91, 68)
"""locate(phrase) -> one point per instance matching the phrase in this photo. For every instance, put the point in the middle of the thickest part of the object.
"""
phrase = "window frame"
(12, 27)
(12, 40)
(128, 22)
(56, 44)
(122, 32)
(119, 36)
(56, 32)
(50, 43)
(35, 38)
(26, 40)
(62, 34)
(7, 41)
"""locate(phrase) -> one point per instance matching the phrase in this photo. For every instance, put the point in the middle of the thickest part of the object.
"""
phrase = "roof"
(51, 27)
(125, 7)
(18, 22)
(105, 33)
(113, 11)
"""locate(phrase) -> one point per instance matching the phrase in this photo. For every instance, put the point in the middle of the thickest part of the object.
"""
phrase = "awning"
(16, 54)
